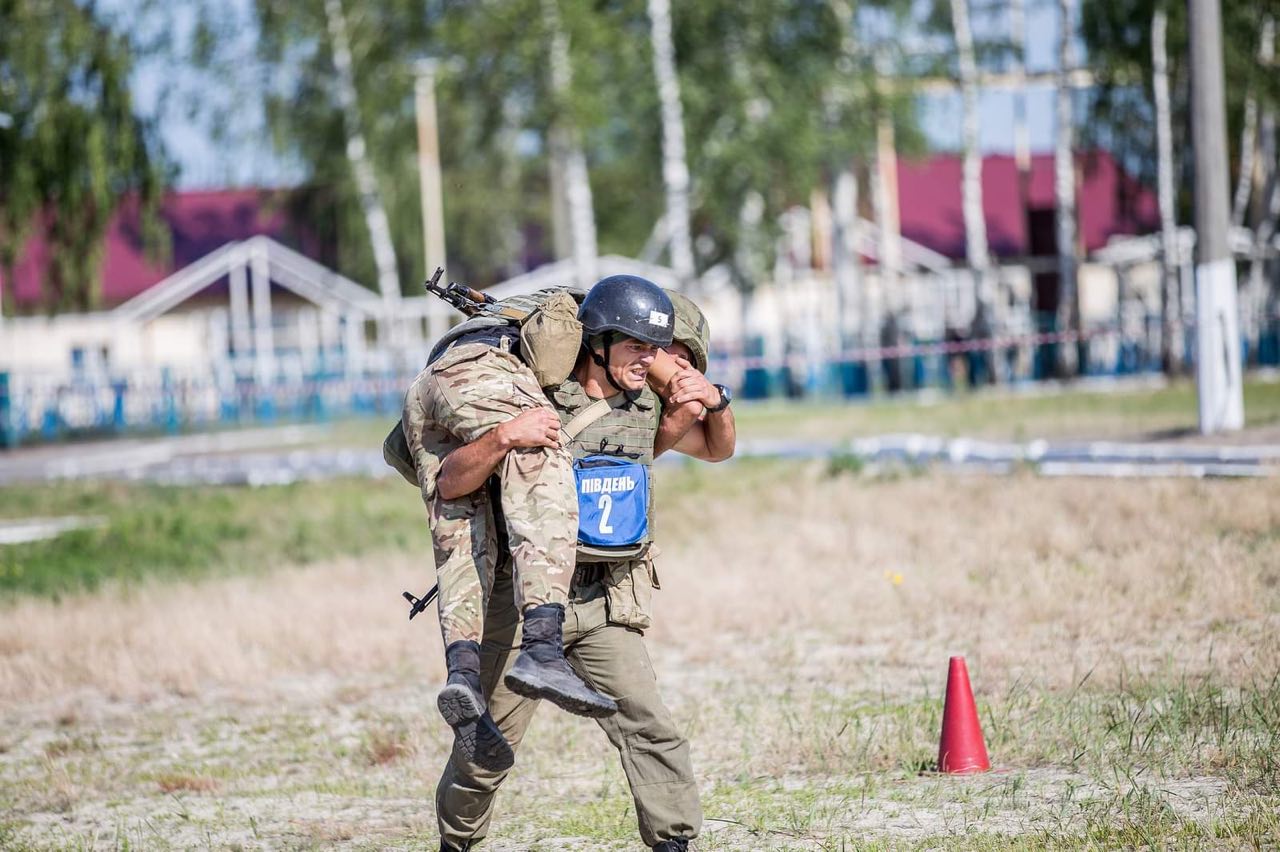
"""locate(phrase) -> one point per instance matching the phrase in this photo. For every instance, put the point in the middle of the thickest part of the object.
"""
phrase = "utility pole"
(1218, 381)
(429, 180)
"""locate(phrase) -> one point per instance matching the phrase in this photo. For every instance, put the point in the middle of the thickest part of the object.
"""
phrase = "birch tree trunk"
(1021, 135)
(512, 240)
(1021, 131)
(846, 261)
(1064, 185)
(1171, 338)
(570, 161)
(1256, 292)
(375, 215)
(675, 165)
(1244, 180)
(975, 225)
(884, 199)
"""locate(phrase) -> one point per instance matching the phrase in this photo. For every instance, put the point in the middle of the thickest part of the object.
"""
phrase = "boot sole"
(457, 704)
(494, 754)
(534, 688)
(461, 709)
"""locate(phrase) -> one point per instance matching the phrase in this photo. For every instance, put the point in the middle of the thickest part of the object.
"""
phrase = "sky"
(246, 157)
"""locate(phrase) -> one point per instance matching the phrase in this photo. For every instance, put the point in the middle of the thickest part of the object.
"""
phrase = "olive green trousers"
(613, 660)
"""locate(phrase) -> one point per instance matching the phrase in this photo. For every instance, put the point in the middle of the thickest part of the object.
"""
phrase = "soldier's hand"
(537, 427)
(689, 385)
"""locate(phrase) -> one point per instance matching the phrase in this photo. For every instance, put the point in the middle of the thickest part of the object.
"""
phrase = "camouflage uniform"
(467, 391)
(609, 607)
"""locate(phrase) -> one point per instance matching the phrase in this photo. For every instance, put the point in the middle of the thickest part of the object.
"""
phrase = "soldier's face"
(629, 362)
(679, 350)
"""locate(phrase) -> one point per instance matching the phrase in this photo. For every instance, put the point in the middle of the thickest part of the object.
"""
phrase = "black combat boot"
(541, 670)
(462, 705)
(678, 844)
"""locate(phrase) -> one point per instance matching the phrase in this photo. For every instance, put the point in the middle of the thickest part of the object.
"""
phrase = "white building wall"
(46, 345)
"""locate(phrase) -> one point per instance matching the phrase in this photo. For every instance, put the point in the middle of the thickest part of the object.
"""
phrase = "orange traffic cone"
(961, 749)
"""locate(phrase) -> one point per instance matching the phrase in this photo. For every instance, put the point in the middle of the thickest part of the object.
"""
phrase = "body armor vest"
(625, 435)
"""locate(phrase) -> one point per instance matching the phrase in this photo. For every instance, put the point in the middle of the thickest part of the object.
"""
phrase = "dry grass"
(1027, 577)
(179, 783)
(163, 638)
(1123, 638)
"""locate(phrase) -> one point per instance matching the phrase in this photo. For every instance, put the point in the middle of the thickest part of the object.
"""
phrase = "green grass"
(181, 533)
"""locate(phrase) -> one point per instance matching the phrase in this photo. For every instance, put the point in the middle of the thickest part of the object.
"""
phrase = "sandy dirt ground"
(802, 635)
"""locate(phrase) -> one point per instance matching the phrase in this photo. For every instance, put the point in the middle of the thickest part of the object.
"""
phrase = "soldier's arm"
(683, 428)
(713, 439)
(676, 422)
(466, 468)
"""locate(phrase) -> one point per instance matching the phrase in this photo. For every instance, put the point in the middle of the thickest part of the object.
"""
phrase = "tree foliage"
(756, 77)
(72, 146)
(1117, 38)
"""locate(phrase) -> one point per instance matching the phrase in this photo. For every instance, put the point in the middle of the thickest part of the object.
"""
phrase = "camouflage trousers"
(606, 648)
(465, 393)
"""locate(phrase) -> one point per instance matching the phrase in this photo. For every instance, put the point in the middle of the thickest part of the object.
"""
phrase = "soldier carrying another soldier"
(609, 597)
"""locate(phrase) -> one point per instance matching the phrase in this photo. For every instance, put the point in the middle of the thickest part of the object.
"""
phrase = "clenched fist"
(537, 427)
(689, 385)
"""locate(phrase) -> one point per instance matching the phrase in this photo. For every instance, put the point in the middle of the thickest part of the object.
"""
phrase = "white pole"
(241, 333)
(264, 349)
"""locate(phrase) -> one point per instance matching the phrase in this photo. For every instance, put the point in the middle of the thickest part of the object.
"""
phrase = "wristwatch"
(725, 398)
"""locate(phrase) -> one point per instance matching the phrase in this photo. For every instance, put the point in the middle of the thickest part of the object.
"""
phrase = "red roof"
(198, 222)
(1109, 201)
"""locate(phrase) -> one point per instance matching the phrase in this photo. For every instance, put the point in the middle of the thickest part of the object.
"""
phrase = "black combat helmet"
(631, 306)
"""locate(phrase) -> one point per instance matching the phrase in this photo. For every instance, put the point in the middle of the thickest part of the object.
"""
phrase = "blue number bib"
(613, 501)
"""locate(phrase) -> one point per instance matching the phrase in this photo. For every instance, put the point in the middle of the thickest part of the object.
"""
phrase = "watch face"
(725, 398)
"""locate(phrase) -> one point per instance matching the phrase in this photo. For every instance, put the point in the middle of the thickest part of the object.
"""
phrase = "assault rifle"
(416, 604)
(470, 302)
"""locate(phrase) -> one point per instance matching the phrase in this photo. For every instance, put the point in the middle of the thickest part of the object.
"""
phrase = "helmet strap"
(607, 340)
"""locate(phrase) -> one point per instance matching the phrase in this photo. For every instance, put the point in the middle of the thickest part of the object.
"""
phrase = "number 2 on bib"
(606, 506)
